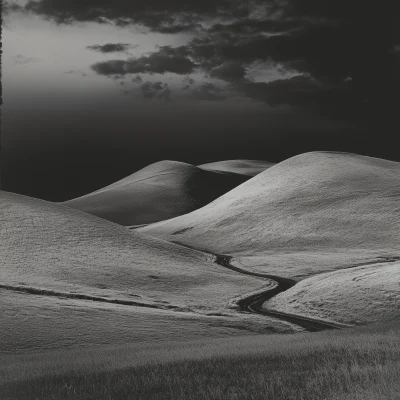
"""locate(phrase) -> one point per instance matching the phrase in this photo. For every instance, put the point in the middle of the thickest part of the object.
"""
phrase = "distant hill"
(242, 167)
(53, 247)
(313, 212)
(160, 191)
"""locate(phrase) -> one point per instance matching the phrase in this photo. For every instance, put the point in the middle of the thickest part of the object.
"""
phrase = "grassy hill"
(160, 191)
(311, 213)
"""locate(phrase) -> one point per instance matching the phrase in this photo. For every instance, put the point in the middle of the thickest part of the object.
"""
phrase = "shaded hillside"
(242, 167)
(160, 191)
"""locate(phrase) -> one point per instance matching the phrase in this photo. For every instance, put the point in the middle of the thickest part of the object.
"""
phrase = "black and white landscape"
(200, 200)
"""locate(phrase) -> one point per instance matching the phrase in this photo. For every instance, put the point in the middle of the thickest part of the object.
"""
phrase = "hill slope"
(69, 280)
(55, 248)
(356, 295)
(242, 167)
(160, 191)
(312, 212)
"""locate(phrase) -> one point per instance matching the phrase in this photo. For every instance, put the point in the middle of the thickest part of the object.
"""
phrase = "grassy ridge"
(311, 367)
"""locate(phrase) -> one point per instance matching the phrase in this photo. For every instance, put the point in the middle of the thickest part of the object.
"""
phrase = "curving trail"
(254, 303)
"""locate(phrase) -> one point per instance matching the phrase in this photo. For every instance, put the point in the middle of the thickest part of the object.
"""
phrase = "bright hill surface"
(311, 213)
(355, 295)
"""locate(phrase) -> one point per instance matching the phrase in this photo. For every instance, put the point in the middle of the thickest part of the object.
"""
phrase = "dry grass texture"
(306, 367)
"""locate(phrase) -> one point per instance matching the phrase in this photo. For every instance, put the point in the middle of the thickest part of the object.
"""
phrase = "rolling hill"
(315, 212)
(70, 279)
(160, 191)
(55, 248)
(242, 167)
(356, 295)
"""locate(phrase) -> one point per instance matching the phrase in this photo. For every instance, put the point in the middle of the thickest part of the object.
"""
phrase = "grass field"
(339, 365)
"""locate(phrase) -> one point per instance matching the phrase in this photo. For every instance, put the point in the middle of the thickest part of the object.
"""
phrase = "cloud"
(152, 13)
(229, 71)
(156, 63)
(110, 47)
(342, 51)
(318, 50)
(121, 8)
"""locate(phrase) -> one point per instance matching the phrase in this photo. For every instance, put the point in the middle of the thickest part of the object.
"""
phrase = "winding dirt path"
(254, 303)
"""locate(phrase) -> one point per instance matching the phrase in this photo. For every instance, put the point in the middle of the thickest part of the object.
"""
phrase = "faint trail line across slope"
(79, 296)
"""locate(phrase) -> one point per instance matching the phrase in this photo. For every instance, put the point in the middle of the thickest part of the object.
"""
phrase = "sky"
(94, 90)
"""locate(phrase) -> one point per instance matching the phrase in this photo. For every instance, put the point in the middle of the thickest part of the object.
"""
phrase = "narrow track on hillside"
(87, 297)
(254, 303)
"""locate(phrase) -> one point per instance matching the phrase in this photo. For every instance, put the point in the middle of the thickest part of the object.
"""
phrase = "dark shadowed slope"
(242, 167)
(313, 212)
(160, 191)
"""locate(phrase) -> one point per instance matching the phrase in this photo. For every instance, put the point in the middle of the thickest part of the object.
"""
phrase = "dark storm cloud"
(251, 26)
(339, 47)
(229, 71)
(318, 50)
(350, 56)
(110, 47)
(152, 13)
(120, 8)
(366, 31)
(158, 63)
(9, 7)
(163, 22)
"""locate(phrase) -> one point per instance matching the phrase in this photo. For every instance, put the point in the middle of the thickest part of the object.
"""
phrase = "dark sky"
(93, 92)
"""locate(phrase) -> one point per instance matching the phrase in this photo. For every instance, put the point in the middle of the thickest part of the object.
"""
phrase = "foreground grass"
(359, 366)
